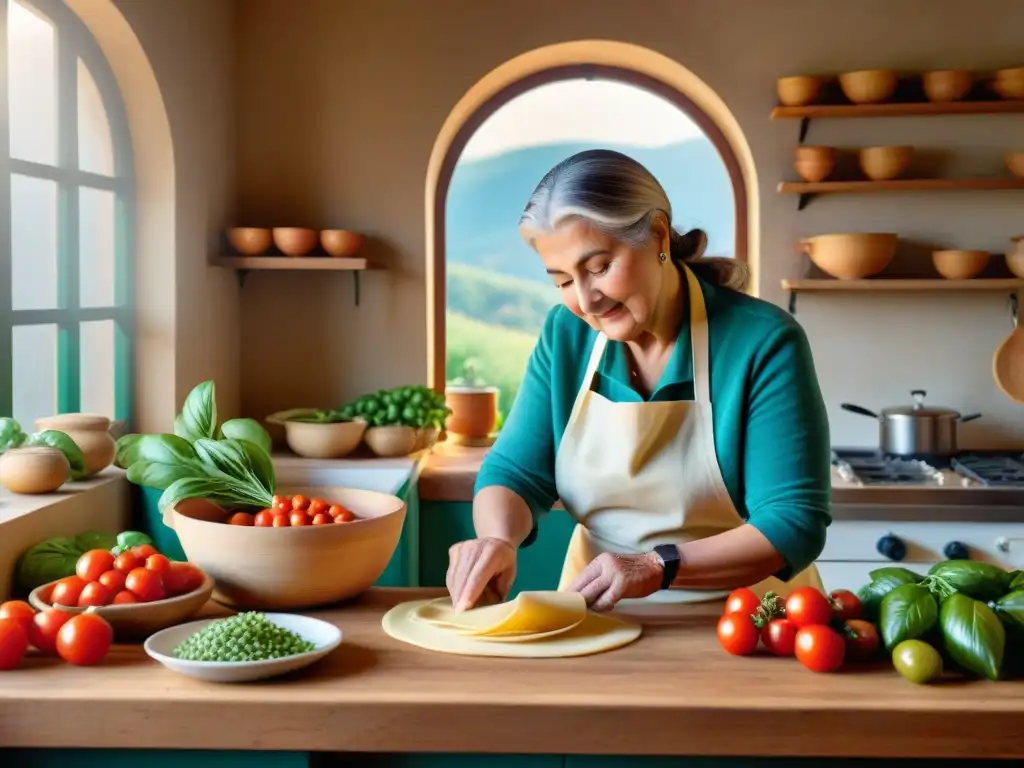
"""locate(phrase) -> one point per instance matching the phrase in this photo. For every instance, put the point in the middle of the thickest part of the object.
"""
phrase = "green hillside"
(499, 299)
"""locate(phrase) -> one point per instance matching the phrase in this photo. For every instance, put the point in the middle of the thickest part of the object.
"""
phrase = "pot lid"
(918, 409)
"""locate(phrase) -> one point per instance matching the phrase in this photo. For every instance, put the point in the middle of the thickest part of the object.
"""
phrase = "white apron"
(634, 475)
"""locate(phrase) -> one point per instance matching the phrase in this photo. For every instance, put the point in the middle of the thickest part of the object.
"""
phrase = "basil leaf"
(198, 417)
(160, 476)
(1010, 608)
(226, 457)
(128, 539)
(895, 576)
(126, 454)
(973, 635)
(11, 434)
(225, 492)
(261, 464)
(907, 612)
(52, 438)
(982, 581)
(246, 429)
(163, 449)
(883, 581)
(1017, 582)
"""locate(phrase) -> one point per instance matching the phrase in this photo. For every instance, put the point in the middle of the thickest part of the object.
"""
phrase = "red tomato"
(280, 521)
(737, 634)
(157, 563)
(345, 516)
(807, 606)
(114, 580)
(95, 593)
(820, 648)
(123, 597)
(67, 591)
(861, 639)
(84, 639)
(335, 509)
(742, 600)
(241, 518)
(322, 518)
(182, 578)
(19, 611)
(146, 585)
(281, 503)
(127, 562)
(93, 564)
(300, 503)
(779, 637)
(264, 519)
(316, 506)
(13, 643)
(45, 625)
(845, 604)
(143, 551)
(299, 518)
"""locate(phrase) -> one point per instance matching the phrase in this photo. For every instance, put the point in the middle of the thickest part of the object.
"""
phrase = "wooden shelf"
(913, 109)
(244, 264)
(898, 185)
(904, 284)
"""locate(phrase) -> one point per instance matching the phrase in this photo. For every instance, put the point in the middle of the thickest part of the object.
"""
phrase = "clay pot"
(90, 432)
(35, 469)
(474, 411)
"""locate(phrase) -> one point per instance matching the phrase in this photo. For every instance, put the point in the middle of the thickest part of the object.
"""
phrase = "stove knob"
(891, 547)
(956, 551)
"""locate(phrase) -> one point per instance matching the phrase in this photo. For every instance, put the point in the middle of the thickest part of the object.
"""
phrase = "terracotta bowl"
(1009, 83)
(799, 90)
(250, 241)
(883, 163)
(33, 469)
(340, 242)
(137, 620)
(1015, 162)
(292, 568)
(947, 84)
(1015, 259)
(869, 86)
(960, 264)
(851, 256)
(312, 440)
(393, 440)
(815, 163)
(91, 433)
(295, 241)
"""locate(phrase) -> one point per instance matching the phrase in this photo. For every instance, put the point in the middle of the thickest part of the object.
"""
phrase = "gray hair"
(620, 197)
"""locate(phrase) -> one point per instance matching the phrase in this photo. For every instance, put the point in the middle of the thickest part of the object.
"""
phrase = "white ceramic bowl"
(325, 636)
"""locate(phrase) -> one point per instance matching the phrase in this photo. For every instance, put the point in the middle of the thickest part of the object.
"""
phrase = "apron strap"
(597, 351)
(699, 344)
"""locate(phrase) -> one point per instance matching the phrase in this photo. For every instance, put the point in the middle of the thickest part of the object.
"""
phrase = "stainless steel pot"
(916, 429)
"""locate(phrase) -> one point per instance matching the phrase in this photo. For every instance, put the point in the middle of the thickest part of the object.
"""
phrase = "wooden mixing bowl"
(869, 86)
(883, 163)
(947, 84)
(295, 241)
(851, 256)
(799, 90)
(957, 264)
(250, 241)
(815, 164)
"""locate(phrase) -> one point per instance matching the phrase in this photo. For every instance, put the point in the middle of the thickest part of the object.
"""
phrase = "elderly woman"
(678, 419)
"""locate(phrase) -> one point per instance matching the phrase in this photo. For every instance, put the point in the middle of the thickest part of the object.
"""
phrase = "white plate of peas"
(245, 647)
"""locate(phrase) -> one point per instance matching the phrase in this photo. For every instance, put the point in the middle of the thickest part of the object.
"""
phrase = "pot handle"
(858, 410)
(970, 417)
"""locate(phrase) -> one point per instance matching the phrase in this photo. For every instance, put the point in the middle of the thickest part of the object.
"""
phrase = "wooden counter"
(672, 692)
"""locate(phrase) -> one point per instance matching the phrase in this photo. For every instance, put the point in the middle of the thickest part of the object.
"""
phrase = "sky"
(597, 111)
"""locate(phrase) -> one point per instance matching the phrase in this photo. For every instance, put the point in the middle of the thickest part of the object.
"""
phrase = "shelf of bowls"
(248, 543)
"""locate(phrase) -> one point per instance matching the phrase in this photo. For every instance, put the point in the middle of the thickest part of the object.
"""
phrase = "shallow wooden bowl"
(1009, 83)
(798, 90)
(852, 256)
(250, 241)
(137, 620)
(869, 86)
(319, 440)
(883, 163)
(959, 264)
(295, 241)
(947, 84)
(392, 440)
(815, 164)
(340, 243)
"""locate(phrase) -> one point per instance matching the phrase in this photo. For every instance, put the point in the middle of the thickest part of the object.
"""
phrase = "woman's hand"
(477, 567)
(610, 578)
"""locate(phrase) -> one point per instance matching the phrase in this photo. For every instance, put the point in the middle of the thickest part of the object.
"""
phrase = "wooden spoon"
(1008, 363)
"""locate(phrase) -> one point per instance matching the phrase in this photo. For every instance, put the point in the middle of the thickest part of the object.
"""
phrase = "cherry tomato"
(13, 643)
(299, 518)
(146, 585)
(93, 564)
(67, 591)
(127, 562)
(241, 518)
(114, 580)
(345, 516)
(281, 521)
(300, 503)
(806, 606)
(143, 551)
(335, 509)
(281, 503)
(182, 578)
(316, 506)
(742, 600)
(861, 639)
(322, 518)
(737, 634)
(84, 639)
(45, 625)
(95, 593)
(779, 637)
(264, 519)
(845, 604)
(820, 648)
(123, 597)
(157, 563)
(19, 611)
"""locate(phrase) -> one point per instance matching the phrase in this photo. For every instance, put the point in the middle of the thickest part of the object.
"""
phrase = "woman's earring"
(662, 257)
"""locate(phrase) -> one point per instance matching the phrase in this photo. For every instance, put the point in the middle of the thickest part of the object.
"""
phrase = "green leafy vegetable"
(1017, 582)
(895, 575)
(51, 438)
(47, 561)
(246, 429)
(11, 434)
(982, 581)
(413, 406)
(198, 417)
(908, 612)
(973, 635)
(883, 581)
(95, 540)
(128, 539)
(1010, 608)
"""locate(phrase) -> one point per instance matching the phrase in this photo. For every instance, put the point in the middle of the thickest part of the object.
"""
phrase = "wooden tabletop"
(672, 692)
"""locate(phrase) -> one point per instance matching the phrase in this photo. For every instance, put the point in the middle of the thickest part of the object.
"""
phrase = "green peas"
(248, 636)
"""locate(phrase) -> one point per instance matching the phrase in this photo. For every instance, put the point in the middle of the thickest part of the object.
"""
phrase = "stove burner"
(992, 469)
(997, 471)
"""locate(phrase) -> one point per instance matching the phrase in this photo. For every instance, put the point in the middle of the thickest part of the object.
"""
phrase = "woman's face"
(611, 286)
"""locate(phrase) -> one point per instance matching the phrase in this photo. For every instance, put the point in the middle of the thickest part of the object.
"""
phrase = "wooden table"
(672, 692)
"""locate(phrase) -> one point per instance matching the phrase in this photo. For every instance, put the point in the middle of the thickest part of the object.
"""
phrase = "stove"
(988, 469)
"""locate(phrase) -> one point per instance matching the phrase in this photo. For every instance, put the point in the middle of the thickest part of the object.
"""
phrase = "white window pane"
(32, 85)
(34, 373)
(33, 243)
(97, 367)
(96, 247)
(95, 146)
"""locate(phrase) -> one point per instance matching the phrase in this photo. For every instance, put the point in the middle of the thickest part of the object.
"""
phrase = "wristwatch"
(670, 560)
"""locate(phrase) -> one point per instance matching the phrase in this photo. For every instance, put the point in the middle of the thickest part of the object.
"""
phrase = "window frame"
(73, 41)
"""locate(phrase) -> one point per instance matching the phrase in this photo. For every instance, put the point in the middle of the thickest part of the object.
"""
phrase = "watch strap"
(670, 561)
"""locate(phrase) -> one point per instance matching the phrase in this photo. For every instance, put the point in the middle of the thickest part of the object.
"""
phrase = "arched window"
(66, 200)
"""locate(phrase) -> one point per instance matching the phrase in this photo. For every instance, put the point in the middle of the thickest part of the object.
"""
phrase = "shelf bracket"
(240, 275)
(355, 285)
(1014, 309)
(792, 302)
(803, 200)
(805, 125)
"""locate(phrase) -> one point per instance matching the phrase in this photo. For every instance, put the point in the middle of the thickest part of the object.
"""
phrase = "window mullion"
(6, 272)
(69, 343)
